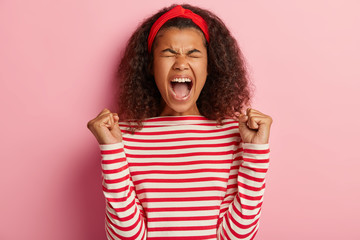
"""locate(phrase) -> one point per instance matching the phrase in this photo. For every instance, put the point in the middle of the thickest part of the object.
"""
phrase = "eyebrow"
(174, 52)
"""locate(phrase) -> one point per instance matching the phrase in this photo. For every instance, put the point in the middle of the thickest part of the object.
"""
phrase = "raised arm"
(123, 210)
(241, 220)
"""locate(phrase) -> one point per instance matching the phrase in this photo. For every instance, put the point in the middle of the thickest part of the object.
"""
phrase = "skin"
(174, 55)
(179, 53)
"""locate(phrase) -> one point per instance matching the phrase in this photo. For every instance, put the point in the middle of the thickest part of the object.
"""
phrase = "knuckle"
(90, 124)
(271, 119)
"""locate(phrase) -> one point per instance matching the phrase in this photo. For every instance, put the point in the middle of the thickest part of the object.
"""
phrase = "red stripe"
(182, 228)
(226, 235)
(116, 190)
(239, 213)
(123, 219)
(231, 186)
(140, 164)
(180, 139)
(233, 176)
(235, 164)
(202, 170)
(257, 151)
(243, 185)
(117, 180)
(112, 161)
(187, 218)
(195, 189)
(116, 170)
(184, 146)
(108, 233)
(239, 224)
(226, 202)
(238, 236)
(185, 199)
(173, 118)
(123, 228)
(181, 131)
(213, 236)
(251, 208)
(248, 197)
(121, 199)
(259, 170)
(253, 237)
(182, 209)
(194, 180)
(256, 160)
(122, 209)
(113, 151)
(180, 155)
(134, 237)
(248, 177)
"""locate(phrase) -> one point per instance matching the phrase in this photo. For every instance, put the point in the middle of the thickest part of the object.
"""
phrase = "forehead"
(179, 38)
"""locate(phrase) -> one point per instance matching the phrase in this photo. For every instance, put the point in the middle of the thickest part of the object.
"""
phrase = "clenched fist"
(254, 126)
(105, 127)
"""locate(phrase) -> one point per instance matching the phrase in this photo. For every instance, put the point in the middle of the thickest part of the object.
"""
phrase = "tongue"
(181, 90)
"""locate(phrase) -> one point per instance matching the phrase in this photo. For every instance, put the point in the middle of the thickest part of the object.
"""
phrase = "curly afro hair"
(227, 89)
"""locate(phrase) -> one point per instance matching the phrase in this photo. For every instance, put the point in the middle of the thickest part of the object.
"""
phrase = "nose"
(181, 63)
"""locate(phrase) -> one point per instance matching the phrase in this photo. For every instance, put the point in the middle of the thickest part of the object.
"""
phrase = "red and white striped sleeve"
(124, 218)
(241, 220)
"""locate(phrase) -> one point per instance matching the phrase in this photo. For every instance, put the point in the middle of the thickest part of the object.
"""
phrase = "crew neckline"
(174, 118)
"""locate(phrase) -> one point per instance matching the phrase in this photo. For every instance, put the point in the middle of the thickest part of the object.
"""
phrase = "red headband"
(177, 11)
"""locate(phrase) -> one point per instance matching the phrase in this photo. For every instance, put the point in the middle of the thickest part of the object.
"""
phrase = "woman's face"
(180, 69)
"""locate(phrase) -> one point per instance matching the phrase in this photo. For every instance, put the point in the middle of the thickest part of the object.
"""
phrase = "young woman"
(188, 159)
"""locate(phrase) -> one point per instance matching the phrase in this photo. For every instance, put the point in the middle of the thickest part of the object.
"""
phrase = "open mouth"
(181, 87)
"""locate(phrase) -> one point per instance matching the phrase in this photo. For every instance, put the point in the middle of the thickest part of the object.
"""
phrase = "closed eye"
(194, 53)
(168, 52)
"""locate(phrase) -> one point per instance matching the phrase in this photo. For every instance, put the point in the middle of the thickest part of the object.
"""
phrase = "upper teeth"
(181, 80)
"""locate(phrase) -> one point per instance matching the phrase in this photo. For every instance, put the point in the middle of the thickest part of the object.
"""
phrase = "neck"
(171, 112)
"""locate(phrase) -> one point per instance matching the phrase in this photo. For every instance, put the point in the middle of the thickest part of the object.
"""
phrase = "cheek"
(161, 68)
(201, 70)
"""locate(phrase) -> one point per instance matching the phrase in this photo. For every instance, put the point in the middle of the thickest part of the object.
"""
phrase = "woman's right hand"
(105, 127)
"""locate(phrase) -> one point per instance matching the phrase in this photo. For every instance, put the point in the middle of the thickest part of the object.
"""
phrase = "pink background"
(57, 63)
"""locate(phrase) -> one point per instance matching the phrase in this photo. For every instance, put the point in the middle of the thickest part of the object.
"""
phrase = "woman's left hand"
(254, 127)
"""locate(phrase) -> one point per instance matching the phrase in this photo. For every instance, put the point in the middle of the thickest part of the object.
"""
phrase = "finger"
(116, 121)
(255, 122)
(110, 121)
(116, 117)
(100, 120)
(255, 113)
(252, 110)
(252, 122)
(103, 120)
(247, 111)
(243, 119)
(104, 111)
